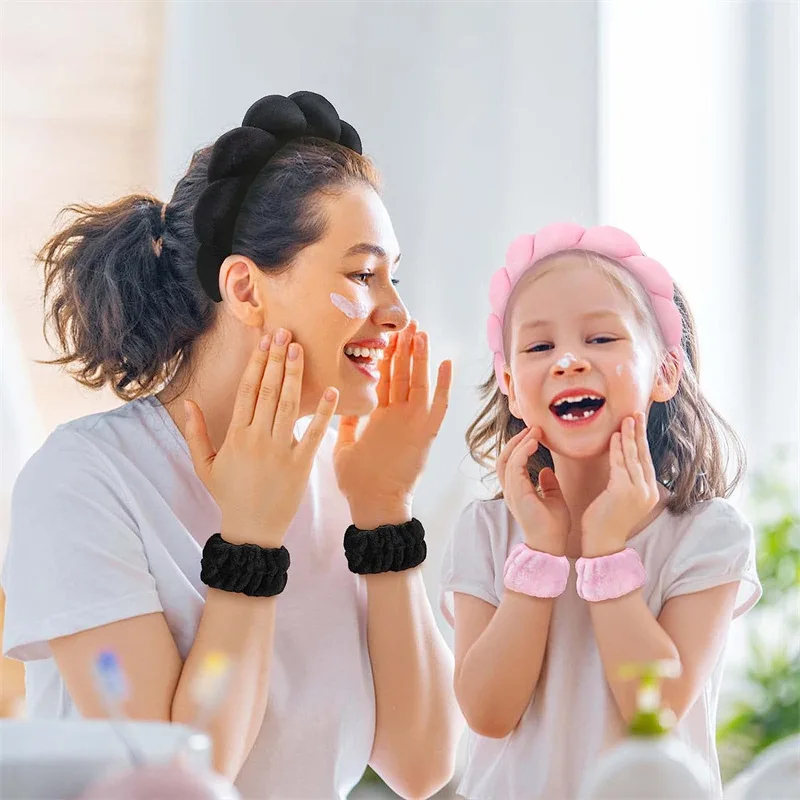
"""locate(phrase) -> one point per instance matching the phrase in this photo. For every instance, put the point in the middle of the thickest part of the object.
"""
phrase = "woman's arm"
(499, 655)
(161, 685)
(417, 720)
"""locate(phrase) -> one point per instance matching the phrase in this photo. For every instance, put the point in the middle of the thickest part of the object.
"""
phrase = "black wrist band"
(388, 548)
(244, 568)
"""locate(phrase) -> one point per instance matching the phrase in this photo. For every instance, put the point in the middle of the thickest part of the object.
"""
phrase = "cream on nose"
(566, 360)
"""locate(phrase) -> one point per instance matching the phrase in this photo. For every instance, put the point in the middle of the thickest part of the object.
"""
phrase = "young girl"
(610, 542)
(162, 530)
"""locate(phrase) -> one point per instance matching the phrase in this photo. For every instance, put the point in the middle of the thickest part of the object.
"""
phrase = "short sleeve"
(468, 563)
(718, 547)
(75, 560)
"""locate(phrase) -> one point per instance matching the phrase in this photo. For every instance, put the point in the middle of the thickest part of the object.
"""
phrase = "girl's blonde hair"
(691, 445)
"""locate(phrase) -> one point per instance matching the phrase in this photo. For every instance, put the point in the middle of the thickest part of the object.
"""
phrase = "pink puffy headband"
(528, 250)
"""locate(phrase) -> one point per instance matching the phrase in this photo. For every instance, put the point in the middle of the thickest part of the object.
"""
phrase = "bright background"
(677, 121)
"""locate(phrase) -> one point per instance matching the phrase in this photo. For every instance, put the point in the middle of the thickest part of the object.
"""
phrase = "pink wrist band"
(609, 577)
(535, 573)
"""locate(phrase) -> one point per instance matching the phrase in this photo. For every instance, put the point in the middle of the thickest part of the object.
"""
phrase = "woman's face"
(340, 302)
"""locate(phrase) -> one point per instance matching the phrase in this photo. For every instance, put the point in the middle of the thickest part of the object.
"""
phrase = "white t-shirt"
(572, 716)
(108, 521)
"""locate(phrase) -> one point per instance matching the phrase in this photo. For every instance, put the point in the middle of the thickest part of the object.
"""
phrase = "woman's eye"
(539, 348)
(363, 278)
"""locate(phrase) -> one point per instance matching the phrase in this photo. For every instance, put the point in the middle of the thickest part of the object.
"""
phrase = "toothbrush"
(113, 687)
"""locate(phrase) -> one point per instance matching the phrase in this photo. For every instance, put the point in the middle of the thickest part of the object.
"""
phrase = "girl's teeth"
(572, 417)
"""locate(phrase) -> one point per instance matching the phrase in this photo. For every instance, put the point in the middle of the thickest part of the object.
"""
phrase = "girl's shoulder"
(489, 521)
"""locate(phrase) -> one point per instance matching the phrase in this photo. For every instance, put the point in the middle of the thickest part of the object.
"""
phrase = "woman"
(285, 308)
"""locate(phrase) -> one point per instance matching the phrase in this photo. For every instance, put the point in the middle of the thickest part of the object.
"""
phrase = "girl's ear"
(668, 377)
(513, 406)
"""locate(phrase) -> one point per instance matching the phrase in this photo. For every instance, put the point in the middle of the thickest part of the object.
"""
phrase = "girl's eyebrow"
(604, 313)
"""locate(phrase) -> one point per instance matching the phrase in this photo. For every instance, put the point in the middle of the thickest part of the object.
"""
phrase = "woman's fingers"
(385, 382)
(289, 400)
(307, 447)
(420, 386)
(631, 452)
(270, 390)
(441, 397)
(247, 394)
(401, 368)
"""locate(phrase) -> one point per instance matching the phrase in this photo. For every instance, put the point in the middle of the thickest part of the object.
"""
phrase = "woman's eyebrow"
(369, 249)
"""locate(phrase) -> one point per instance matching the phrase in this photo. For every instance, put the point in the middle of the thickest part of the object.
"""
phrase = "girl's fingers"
(645, 458)
(270, 390)
(419, 387)
(631, 453)
(506, 452)
(385, 368)
(197, 438)
(307, 447)
(247, 394)
(289, 400)
(441, 397)
(617, 460)
(401, 368)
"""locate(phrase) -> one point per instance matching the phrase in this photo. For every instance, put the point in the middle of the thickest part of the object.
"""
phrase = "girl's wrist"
(553, 545)
(601, 544)
(369, 513)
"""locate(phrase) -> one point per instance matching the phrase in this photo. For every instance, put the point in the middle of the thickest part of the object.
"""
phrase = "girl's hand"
(378, 471)
(259, 475)
(543, 516)
(632, 492)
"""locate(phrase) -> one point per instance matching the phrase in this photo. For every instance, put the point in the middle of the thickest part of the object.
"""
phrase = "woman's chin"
(357, 403)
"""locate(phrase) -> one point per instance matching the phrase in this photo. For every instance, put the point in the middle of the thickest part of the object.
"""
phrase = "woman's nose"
(390, 313)
(570, 364)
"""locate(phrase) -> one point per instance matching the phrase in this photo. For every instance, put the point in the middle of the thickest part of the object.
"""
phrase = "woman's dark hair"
(121, 291)
(690, 443)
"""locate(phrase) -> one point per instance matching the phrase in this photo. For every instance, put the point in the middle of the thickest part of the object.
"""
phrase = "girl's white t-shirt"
(572, 716)
(108, 521)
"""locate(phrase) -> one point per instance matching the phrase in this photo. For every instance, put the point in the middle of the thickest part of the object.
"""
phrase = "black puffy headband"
(239, 155)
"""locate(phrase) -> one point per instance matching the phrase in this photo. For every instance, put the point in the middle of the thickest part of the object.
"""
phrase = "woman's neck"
(211, 381)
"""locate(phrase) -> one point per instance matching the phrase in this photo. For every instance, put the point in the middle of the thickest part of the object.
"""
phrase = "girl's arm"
(692, 628)
(161, 685)
(499, 654)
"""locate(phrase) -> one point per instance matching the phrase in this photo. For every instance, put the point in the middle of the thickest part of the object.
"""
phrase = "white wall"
(481, 116)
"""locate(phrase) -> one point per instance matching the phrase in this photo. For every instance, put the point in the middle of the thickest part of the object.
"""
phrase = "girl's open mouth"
(578, 408)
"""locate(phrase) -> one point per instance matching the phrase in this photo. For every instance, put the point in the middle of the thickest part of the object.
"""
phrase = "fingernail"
(264, 343)
(282, 336)
(294, 352)
(330, 395)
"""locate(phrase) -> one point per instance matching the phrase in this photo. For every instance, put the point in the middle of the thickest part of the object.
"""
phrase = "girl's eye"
(602, 339)
(539, 348)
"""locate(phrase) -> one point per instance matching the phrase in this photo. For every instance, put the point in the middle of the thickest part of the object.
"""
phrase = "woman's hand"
(631, 494)
(377, 472)
(543, 516)
(259, 475)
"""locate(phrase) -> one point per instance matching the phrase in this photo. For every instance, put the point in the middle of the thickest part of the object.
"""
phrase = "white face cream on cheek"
(353, 309)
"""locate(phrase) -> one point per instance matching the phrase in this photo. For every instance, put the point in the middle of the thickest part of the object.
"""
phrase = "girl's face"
(340, 302)
(580, 360)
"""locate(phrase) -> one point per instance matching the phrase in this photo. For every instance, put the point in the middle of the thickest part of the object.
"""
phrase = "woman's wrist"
(369, 513)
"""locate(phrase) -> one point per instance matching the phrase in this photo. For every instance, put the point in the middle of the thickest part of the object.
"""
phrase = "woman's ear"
(242, 290)
(668, 377)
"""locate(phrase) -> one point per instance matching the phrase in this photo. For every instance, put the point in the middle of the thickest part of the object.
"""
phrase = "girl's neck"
(582, 481)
